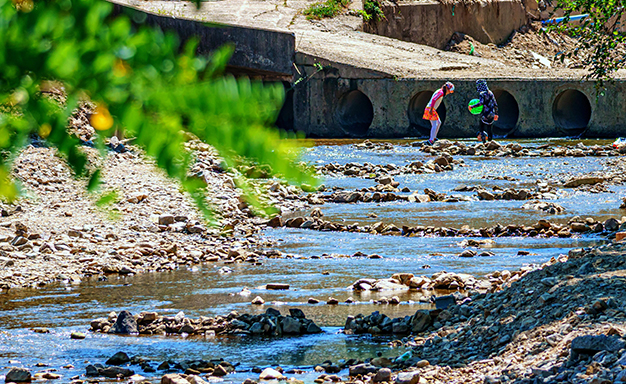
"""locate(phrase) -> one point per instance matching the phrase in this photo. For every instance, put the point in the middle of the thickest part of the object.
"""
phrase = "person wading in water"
(430, 113)
(490, 111)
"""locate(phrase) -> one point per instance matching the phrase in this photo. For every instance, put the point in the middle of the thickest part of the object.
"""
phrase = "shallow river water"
(203, 291)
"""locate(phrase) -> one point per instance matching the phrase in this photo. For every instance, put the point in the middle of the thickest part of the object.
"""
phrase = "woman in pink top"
(430, 113)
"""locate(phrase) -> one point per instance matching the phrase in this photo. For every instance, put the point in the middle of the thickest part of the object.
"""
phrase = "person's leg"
(481, 127)
(435, 124)
(489, 131)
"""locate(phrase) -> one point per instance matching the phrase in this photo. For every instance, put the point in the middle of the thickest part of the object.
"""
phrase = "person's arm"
(481, 99)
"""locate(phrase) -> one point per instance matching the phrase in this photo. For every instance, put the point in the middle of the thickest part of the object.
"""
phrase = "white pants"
(436, 124)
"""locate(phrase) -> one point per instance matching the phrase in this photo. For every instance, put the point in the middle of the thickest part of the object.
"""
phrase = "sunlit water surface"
(318, 267)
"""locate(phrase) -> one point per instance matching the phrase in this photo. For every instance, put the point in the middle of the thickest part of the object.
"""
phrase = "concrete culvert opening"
(571, 111)
(416, 111)
(355, 113)
(508, 112)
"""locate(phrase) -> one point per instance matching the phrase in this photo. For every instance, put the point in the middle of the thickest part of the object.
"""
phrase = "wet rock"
(420, 321)
(118, 359)
(173, 378)
(93, 370)
(383, 374)
(148, 317)
(249, 381)
(408, 378)
(77, 335)
(418, 198)
(271, 374)
(296, 313)
(115, 372)
(468, 253)
(578, 181)
(347, 197)
(258, 301)
(275, 222)
(579, 227)
(195, 379)
(443, 302)
(611, 225)
(313, 328)
(220, 371)
(277, 286)
(50, 376)
(362, 369)
(313, 300)
(290, 325)
(125, 324)
(18, 375)
(332, 301)
(381, 362)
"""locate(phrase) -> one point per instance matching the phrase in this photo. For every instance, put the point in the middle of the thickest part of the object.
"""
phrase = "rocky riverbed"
(58, 234)
(271, 323)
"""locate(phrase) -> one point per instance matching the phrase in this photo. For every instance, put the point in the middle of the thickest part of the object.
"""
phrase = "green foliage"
(328, 8)
(372, 9)
(108, 198)
(141, 82)
(600, 43)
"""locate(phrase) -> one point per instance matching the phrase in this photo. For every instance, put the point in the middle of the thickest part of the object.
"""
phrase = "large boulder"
(18, 375)
(383, 374)
(362, 369)
(125, 324)
(388, 285)
(118, 359)
(271, 374)
(297, 313)
(590, 344)
(578, 181)
(313, 328)
(403, 278)
(421, 320)
(173, 378)
(195, 379)
(291, 326)
(408, 378)
(115, 372)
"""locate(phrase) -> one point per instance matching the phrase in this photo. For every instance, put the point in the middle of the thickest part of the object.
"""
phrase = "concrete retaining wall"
(433, 23)
(255, 49)
(332, 106)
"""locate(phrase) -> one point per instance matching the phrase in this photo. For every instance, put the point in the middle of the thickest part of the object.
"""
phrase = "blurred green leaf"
(142, 82)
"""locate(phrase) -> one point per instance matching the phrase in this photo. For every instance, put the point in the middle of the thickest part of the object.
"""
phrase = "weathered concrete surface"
(376, 86)
(268, 51)
(383, 107)
(432, 22)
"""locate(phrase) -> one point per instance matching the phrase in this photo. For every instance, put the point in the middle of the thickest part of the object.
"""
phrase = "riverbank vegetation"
(136, 80)
(600, 35)
(328, 8)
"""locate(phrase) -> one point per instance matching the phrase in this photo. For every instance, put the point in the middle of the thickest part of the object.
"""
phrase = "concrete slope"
(340, 40)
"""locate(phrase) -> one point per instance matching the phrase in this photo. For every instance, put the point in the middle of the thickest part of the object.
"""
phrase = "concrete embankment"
(376, 86)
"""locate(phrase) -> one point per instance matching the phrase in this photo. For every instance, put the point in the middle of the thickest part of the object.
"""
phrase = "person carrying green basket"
(489, 113)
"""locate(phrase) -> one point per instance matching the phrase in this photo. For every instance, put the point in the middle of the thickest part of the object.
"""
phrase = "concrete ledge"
(255, 49)
(331, 107)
